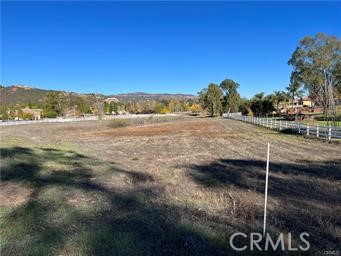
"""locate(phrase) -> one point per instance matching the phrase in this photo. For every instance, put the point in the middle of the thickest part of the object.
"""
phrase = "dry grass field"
(180, 187)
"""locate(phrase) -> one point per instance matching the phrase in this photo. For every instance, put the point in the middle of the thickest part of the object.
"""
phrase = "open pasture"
(180, 187)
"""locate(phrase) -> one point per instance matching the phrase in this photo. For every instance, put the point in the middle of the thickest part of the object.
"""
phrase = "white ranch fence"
(326, 132)
(79, 119)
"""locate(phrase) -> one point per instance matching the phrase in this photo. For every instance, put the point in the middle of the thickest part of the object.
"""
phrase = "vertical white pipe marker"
(266, 188)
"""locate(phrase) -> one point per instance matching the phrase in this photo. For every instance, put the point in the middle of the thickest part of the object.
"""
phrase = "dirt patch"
(13, 194)
(192, 128)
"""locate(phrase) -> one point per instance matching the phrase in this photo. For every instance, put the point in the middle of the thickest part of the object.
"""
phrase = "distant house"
(289, 106)
(301, 105)
(36, 113)
(306, 107)
(307, 102)
(111, 99)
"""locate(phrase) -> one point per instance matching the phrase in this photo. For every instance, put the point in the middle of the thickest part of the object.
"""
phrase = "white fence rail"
(79, 119)
(326, 132)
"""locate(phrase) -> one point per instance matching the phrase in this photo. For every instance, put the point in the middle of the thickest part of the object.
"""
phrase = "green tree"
(231, 100)
(277, 98)
(295, 92)
(106, 107)
(82, 105)
(54, 103)
(158, 107)
(131, 107)
(316, 66)
(257, 104)
(203, 98)
(268, 105)
(261, 105)
(113, 108)
(245, 107)
(210, 99)
(4, 113)
(190, 102)
(337, 74)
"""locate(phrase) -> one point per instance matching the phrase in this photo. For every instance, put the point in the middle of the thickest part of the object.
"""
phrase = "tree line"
(316, 64)
(224, 98)
(58, 104)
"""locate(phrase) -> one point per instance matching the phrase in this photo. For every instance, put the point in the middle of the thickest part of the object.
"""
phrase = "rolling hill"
(20, 94)
(140, 96)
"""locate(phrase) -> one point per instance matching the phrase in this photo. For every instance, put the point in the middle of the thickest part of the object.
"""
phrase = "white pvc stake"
(266, 188)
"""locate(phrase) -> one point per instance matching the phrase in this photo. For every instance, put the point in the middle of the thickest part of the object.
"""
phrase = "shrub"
(195, 108)
(50, 114)
(116, 123)
(164, 110)
(122, 122)
(4, 116)
(27, 116)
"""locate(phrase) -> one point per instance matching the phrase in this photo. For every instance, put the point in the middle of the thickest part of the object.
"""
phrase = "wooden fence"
(326, 132)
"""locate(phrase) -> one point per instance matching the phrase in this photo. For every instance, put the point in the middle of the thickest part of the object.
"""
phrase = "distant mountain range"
(19, 94)
(137, 96)
(22, 94)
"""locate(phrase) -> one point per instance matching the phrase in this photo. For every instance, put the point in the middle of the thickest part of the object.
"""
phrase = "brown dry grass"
(214, 168)
(199, 128)
(13, 194)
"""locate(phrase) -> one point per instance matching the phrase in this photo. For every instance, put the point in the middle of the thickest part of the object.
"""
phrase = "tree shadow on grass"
(70, 213)
(308, 195)
(234, 171)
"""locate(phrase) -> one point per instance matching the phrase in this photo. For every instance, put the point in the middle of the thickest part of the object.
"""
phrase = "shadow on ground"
(79, 205)
(306, 197)
(71, 211)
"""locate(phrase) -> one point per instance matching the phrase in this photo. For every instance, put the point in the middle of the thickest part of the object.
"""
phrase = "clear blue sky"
(115, 47)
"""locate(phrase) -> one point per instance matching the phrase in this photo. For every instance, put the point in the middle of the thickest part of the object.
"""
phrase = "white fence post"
(317, 131)
(305, 129)
(266, 188)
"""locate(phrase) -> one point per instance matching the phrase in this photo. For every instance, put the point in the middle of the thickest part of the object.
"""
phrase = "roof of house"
(36, 111)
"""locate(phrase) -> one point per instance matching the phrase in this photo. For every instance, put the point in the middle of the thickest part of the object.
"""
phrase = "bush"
(27, 116)
(116, 123)
(4, 116)
(122, 122)
(195, 108)
(50, 114)
(164, 110)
